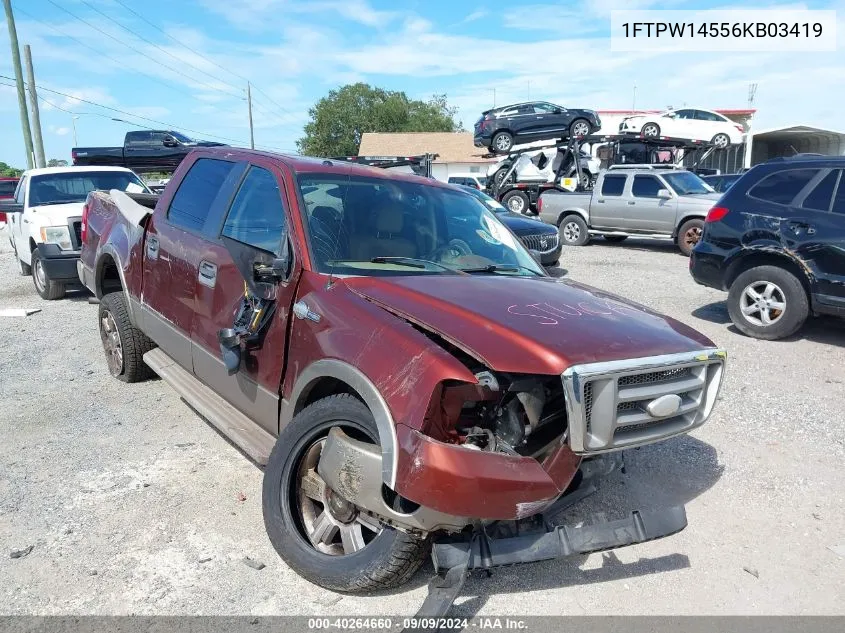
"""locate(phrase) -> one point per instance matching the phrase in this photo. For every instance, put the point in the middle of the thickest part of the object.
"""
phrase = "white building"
(457, 154)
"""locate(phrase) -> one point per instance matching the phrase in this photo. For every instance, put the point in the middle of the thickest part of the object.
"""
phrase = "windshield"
(378, 227)
(74, 187)
(182, 138)
(491, 203)
(686, 183)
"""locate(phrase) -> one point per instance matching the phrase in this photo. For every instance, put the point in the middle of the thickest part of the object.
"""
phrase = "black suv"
(776, 242)
(501, 128)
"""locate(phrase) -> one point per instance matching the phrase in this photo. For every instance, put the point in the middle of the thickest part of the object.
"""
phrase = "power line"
(140, 52)
(198, 54)
(142, 38)
(102, 54)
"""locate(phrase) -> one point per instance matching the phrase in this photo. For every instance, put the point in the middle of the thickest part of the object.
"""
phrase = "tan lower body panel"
(241, 430)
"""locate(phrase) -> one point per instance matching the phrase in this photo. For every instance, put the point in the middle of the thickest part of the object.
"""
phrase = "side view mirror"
(10, 206)
(664, 194)
(230, 348)
(557, 111)
(169, 141)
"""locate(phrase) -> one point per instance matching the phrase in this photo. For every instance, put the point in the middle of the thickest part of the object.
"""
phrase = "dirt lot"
(134, 505)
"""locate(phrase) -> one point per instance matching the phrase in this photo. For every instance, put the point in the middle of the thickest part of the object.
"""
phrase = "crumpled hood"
(56, 214)
(529, 325)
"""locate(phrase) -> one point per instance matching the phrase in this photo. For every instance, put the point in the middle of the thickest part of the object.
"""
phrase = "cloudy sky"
(186, 63)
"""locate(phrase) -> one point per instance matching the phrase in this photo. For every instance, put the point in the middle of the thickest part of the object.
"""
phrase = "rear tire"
(786, 305)
(123, 343)
(574, 231)
(46, 288)
(689, 235)
(516, 202)
(502, 143)
(387, 560)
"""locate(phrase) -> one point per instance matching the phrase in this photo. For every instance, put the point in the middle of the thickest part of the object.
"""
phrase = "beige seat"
(387, 240)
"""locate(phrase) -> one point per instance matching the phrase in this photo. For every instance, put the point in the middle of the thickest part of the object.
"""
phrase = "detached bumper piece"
(484, 551)
(528, 541)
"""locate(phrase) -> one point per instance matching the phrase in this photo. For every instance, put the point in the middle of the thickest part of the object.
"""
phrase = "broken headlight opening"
(514, 415)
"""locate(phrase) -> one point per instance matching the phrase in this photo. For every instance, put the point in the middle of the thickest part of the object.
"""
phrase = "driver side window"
(257, 217)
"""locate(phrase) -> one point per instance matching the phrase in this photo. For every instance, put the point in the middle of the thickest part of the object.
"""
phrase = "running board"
(243, 432)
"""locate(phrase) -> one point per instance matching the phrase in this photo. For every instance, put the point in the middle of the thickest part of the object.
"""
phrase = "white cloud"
(62, 131)
(475, 15)
(260, 15)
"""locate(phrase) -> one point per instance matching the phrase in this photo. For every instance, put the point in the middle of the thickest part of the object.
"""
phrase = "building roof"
(452, 147)
(796, 129)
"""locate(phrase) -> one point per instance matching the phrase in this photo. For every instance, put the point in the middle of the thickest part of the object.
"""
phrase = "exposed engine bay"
(522, 415)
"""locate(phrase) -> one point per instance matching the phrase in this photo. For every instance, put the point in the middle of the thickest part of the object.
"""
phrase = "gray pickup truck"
(632, 200)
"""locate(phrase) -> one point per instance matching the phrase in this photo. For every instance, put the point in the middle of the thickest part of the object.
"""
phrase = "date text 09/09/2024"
(723, 29)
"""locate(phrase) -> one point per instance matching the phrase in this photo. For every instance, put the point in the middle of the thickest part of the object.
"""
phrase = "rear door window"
(820, 197)
(646, 186)
(782, 187)
(613, 185)
(189, 207)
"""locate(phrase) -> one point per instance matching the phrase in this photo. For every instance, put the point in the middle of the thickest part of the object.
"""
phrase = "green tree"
(340, 118)
(56, 162)
(6, 170)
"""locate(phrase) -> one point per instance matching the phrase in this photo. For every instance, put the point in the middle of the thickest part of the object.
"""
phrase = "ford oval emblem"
(664, 406)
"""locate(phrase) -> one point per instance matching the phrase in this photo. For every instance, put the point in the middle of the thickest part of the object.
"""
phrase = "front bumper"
(552, 257)
(59, 265)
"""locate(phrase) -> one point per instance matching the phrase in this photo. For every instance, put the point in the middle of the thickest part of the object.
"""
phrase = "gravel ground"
(133, 505)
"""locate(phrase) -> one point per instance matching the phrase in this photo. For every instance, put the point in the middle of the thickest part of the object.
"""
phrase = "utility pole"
(749, 137)
(249, 104)
(16, 63)
(40, 160)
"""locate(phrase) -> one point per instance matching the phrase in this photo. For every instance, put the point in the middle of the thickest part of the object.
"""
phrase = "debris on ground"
(20, 553)
(752, 571)
(253, 563)
(241, 496)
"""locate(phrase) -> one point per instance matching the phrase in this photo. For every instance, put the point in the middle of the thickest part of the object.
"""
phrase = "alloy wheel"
(38, 275)
(503, 143)
(112, 344)
(571, 231)
(762, 303)
(650, 130)
(332, 524)
(580, 129)
(692, 236)
(516, 204)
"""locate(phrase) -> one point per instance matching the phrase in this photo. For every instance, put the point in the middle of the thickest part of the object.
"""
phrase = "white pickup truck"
(45, 220)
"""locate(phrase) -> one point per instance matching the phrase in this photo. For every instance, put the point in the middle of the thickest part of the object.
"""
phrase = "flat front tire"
(321, 536)
(123, 343)
(768, 303)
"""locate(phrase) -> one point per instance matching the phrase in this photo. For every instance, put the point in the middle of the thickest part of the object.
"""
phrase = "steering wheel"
(454, 249)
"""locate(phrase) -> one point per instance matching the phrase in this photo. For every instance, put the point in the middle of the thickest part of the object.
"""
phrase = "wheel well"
(685, 220)
(323, 388)
(31, 245)
(566, 214)
(767, 259)
(108, 277)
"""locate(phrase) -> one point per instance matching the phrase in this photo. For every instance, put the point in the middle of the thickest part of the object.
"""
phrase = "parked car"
(475, 181)
(142, 151)
(397, 383)
(45, 220)
(776, 243)
(501, 128)
(644, 201)
(7, 192)
(689, 123)
(541, 166)
(721, 182)
(538, 237)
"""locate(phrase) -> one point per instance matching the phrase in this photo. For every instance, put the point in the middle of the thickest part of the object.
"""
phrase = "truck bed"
(105, 156)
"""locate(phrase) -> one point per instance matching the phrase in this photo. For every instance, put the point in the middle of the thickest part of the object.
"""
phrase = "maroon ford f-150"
(394, 357)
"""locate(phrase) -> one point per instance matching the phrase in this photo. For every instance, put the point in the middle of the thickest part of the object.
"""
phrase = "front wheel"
(574, 231)
(44, 286)
(689, 235)
(768, 303)
(579, 128)
(650, 130)
(320, 535)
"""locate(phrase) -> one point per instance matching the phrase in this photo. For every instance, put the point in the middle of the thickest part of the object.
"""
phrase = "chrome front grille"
(620, 404)
(543, 243)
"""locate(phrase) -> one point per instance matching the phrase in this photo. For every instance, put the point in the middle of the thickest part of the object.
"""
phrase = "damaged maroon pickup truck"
(410, 378)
